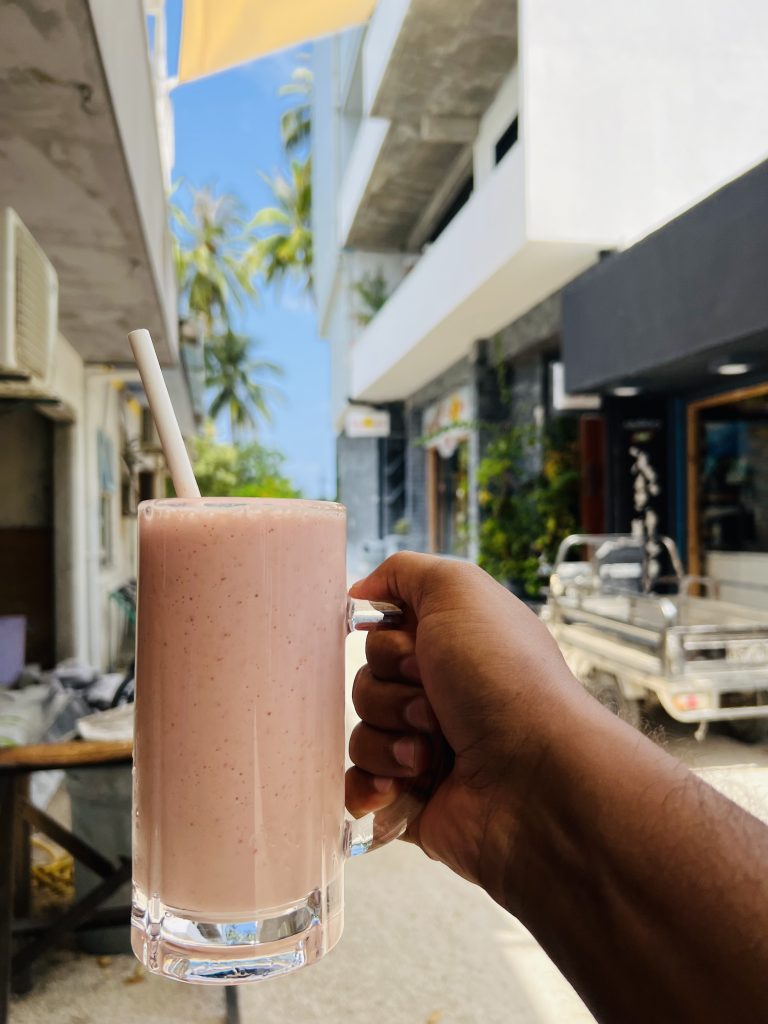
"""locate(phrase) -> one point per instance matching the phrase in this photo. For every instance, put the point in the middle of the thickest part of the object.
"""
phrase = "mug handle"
(380, 827)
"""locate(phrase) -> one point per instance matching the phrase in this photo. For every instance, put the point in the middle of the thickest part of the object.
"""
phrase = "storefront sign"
(364, 422)
(447, 423)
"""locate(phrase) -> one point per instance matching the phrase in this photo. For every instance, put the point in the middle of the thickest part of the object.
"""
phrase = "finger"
(401, 578)
(391, 705)
(365, 793)
(387, 649)
(395, 755)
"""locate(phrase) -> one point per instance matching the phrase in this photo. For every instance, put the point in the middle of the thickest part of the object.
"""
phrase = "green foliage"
(285, 250)
(371, 289)
(251, 471)
(214, 256)
(236, 381)
(284, 246)
(528, 491)
(296, 121)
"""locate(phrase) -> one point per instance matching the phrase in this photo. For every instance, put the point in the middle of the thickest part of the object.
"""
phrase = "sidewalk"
(421, 946)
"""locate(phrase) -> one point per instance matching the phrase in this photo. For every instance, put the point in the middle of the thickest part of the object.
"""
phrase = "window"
(460, 199)
(733, 482)
(506, 141)
(448, 501)
(146, 485)
(107, 487)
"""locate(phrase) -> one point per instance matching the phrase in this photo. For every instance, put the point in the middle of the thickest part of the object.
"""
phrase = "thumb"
(403, 578)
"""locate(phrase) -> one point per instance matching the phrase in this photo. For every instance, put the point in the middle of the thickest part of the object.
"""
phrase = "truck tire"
(749, 730)
(605, 688)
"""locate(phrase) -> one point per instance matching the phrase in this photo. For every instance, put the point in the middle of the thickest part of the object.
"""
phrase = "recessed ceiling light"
(733, 369)
(626, 392)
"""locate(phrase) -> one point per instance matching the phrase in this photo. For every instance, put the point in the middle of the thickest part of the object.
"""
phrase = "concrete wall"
(494, 122)
(358, 472)
(633, 112)
(69, 483)
(107, 411)
(49, 476)
(123, 44)
(383, 30)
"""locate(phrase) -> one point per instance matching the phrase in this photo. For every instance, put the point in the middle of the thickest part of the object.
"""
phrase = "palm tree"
(286, 251)
(214, 259)
(296, 122)
(236, 381)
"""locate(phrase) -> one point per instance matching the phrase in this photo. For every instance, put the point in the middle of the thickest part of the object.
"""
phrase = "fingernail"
(382, 785)
(409, 668)
(405, 752)
(419, 715)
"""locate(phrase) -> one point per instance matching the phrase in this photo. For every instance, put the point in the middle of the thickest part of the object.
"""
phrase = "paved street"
(421, 946)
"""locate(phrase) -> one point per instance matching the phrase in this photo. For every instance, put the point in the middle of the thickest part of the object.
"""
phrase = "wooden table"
(17, 819)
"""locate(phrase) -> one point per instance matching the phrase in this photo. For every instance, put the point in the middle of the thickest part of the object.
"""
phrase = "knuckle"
(375, 643)
(356, 742)
(358, 687)
(385, 649)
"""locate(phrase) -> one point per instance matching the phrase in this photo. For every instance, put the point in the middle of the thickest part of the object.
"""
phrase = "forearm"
(648, 888)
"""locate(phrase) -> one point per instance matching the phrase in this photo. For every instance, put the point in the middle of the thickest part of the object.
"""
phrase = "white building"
(80, 166)
(472, 157)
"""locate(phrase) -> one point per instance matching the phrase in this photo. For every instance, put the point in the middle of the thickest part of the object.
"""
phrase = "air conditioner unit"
(29, 304)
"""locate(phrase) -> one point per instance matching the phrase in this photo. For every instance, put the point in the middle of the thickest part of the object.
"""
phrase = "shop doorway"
(448, 501)
(592, 474)
(727, 440)
(26, 526)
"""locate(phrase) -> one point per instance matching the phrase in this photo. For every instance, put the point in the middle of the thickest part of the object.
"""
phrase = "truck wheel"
(605, 689)
(749, 730)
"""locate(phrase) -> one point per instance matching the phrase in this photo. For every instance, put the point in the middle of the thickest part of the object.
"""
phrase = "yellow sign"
(447, 423)
(364, 422)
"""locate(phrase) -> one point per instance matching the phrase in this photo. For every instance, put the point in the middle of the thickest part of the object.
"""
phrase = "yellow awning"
(218, 34)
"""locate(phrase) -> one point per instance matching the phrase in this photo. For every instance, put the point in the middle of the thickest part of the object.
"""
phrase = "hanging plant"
(528, 494)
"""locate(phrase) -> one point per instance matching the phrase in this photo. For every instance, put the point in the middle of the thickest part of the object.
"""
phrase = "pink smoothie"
(239, 747)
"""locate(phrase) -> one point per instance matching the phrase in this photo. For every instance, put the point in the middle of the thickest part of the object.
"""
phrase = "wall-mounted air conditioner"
(29, 304)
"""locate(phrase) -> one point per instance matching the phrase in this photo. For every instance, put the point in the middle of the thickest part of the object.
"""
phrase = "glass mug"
(239, 827)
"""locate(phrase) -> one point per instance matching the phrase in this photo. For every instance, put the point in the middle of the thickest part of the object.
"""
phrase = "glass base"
(279, 941)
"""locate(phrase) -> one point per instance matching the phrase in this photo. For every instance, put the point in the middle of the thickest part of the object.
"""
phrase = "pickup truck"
(671, 642)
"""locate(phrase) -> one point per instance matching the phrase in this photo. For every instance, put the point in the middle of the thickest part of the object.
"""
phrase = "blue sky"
(227, 131)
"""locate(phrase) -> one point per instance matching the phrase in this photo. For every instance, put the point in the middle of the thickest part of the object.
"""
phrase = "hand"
(464, 699)
(646, 887)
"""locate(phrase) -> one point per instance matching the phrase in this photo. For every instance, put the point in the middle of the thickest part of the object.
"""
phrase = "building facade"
(678, 326)
(470, 160)
(83, 206)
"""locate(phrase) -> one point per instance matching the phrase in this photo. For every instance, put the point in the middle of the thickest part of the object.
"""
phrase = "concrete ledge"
(483, 272)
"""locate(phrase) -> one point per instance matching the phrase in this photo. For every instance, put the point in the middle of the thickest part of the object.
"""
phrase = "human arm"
(645, 886)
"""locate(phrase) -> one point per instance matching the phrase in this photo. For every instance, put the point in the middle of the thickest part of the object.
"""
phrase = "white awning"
(218, 34)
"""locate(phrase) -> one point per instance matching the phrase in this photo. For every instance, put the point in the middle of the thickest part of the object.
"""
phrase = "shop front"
(673, 332)
(447, 435)
(728, 477)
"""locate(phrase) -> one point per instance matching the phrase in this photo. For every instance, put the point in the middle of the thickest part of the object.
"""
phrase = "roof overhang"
(446, 64)
(665, 312)
(80, 164)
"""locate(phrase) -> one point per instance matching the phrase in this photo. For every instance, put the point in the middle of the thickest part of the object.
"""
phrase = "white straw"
(162, 413)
